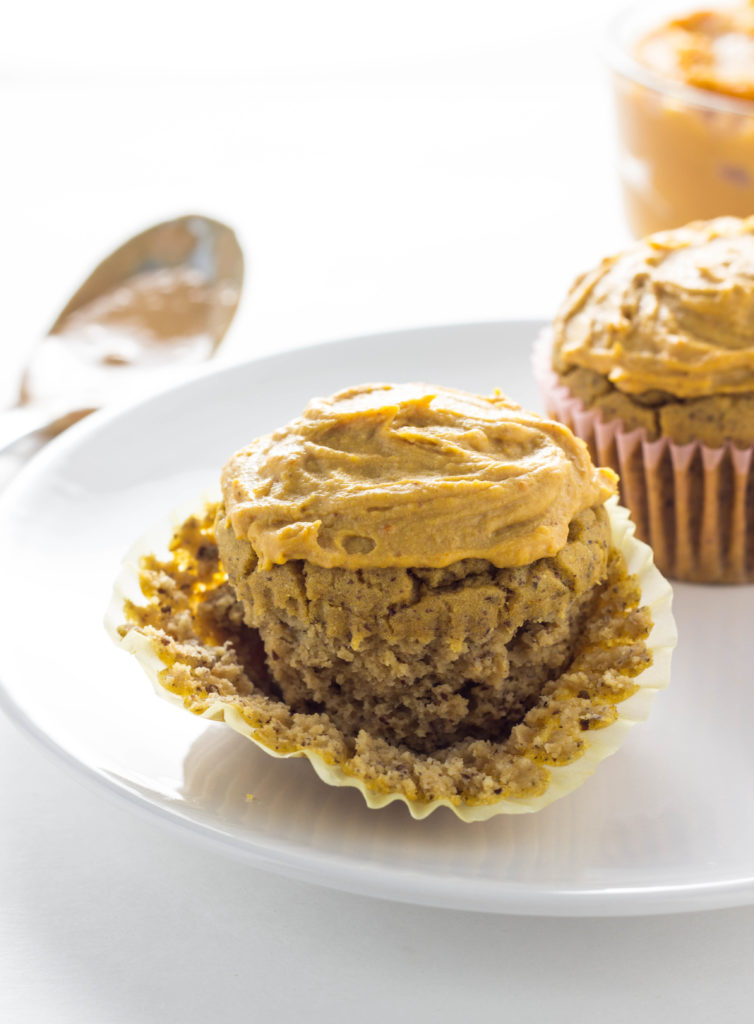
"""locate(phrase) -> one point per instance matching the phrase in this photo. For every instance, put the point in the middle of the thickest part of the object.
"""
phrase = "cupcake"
(432, 595)
(651, 361)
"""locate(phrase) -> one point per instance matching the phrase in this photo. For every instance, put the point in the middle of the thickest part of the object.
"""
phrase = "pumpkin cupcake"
(430, 594)
(651, 361)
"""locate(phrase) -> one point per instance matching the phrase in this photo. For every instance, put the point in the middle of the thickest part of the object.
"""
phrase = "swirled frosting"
(383, 475)
(674, 313)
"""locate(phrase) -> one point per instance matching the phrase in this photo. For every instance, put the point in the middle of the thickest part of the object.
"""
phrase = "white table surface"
(386, 165)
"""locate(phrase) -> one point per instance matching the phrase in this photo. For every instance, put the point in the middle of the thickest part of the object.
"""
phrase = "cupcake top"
(384, 475)
(673, 314)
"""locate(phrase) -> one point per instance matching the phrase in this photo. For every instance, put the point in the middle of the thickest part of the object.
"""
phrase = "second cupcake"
(651, 361)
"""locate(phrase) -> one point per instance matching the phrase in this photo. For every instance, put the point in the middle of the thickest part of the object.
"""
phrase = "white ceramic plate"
(666, 824)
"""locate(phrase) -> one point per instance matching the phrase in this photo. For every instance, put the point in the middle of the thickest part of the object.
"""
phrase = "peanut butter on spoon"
(164, 299)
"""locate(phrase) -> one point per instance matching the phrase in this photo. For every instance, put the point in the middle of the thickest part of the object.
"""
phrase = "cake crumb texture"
(586, 639)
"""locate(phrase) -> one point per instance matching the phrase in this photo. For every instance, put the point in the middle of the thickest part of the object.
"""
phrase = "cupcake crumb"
(211, 656)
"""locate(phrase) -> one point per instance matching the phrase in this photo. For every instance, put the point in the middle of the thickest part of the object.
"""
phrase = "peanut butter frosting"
(408, 475)
(707, 49)
(673, 315)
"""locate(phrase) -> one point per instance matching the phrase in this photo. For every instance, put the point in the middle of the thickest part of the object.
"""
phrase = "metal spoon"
(164, 298)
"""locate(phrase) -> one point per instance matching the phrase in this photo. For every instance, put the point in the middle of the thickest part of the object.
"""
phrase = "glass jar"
(685, 153)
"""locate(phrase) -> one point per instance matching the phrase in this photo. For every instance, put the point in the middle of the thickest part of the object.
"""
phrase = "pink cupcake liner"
(694, 505)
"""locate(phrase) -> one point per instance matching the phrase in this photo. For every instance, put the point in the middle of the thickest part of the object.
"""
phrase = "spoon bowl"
(203, 244)
(161, 301)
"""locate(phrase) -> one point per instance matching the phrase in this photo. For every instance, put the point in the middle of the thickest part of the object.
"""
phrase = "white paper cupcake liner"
(597, 743)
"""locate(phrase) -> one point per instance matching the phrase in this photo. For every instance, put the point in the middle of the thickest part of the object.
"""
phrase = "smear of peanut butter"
(153, 319)
(674, 313)
(410, 475)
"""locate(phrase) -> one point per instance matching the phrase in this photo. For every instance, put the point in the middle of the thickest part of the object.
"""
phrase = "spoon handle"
(25, 420)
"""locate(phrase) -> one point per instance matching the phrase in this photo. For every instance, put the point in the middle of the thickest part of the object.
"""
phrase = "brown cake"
(422, 657)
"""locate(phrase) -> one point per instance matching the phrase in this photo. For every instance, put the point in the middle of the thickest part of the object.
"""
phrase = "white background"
(385, 165)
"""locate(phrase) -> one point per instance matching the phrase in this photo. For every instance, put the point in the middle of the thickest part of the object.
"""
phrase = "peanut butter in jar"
(684, 94)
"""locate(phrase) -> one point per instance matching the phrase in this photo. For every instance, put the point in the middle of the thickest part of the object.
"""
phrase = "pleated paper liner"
(254, 713)
(694, 505)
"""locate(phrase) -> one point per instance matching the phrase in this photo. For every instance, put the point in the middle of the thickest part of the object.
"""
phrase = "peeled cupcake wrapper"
(691, 503)
(598, 743)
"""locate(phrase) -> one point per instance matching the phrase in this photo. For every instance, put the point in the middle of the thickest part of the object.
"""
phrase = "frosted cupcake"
(430, 594)
(651, 361)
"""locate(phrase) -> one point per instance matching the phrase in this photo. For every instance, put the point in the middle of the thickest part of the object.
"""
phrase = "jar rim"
(625, 28)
